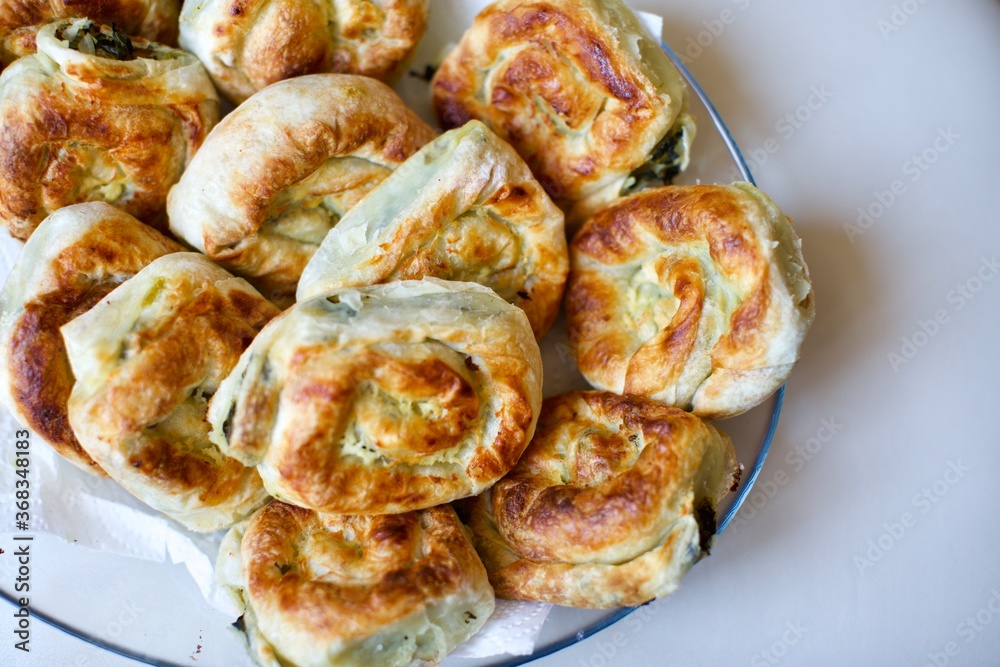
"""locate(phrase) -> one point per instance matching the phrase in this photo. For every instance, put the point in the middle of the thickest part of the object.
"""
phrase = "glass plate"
(153, 612)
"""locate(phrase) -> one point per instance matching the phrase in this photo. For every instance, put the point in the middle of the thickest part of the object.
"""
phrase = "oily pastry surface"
(249, 44)
(613, 501)
(354, 591)
(147, 358)
(280, 171)
(20, 20)
(384, 399)
(695, 296)
(79, 127)
(579, 88)
(75, 257)
(466, 208)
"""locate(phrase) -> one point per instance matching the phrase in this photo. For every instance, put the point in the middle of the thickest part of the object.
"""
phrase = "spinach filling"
(664, 163)
(92, 40)
(704, 515)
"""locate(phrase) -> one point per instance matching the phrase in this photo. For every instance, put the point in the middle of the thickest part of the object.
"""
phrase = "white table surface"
(872, 538)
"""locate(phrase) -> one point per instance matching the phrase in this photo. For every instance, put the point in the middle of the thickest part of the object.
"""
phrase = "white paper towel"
(96, 513)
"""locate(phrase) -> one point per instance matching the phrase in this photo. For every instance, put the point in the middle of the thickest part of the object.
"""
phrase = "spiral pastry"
(20, 20)
(147, 358)
(115, 125)
(247, 45)
(384, 399)
(466, 208)
(75, 257)
(694, 296)
(611, 504)
(319, 590)
(279, 172)
(579, 88)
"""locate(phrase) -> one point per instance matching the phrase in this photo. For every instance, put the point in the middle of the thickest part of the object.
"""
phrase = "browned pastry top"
(250, 44)
(74, 259)
(146, 359)
(319, 588)
(20, 20)
(78, 127)
(280, 171)
(464, 208)
(385, 398)
(695, 296)
(577, 87)
(613, 500)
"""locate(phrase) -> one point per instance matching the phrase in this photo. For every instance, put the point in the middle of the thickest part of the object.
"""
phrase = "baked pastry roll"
(354, 591)
(279, 172)
(95, 116)
(694, 296)
(466, 208)
(247, 45)
(384, 399)
(147, 358)
(611, 504)
(580, 89)
(20, 20)
(75, 257)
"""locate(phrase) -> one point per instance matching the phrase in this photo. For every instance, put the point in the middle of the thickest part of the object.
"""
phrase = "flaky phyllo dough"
(694, 296)
(318, 590)
(147, 358)
(611, 504)
(20, 20)
(463, 208)
(249, 44)
(579, 88)
(96, 116)
(280, 171)
(72, 261)
(384, 399)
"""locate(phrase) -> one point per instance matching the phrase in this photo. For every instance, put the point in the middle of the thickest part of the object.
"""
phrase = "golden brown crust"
(384, 399)
(279, 171)
(564, 82)
(250, 44)
(464, 208)
(146, 359)
(331, 589)
(79, 254)
(20, 20)
(77, 128)
(613, 500)
(695, 296)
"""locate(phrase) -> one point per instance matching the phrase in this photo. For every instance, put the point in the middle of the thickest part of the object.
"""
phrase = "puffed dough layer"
(318, 590)
(81, 127)
(73, 260)
(247, 45)
(694, 296)
(611, 504)
(279, 172)
(384, 399)
(465, 207)
(147, 358)
(580, 89)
